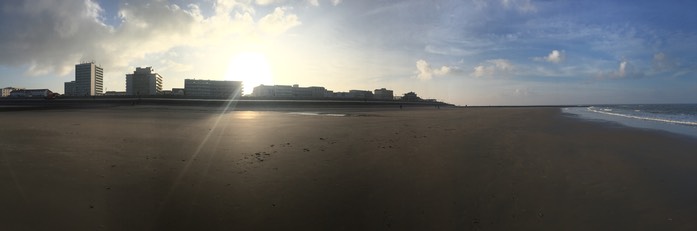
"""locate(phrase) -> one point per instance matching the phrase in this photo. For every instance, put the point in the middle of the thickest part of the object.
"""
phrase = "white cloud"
(225, 7)
(554, 57)
(147, 28)
(622, 72)
(524, 6)
(316, 2)
(625, 69)
(522, 91)
(661, 62)
(278, 22)
(426, 72)
(313, 2)
(267, 2)
(494, 67)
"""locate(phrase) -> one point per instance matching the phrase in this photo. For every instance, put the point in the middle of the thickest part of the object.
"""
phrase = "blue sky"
(497, 52)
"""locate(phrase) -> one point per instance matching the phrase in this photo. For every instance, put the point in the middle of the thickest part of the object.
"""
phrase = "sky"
(478, 52)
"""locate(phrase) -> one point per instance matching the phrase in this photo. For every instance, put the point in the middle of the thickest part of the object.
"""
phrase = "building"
(274, 91)
(285, 91)
(360, 94)
(32, 93)
(410, 96)
(6, 91)
(69, 89)
(89, 80)
(383, 94)
(143, 81)
(178, 91)
(212, 88)
(264, 91)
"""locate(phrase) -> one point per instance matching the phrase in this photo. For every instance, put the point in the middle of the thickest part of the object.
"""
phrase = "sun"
(252, 68)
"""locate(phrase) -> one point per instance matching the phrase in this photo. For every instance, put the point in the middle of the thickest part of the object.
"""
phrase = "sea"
(674, 118)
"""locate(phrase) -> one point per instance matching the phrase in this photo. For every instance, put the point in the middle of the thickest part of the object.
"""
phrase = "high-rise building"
(213, 88)
(143, 81)
(89, 80)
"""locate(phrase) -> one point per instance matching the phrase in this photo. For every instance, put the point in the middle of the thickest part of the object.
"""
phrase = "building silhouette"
(143, 82)
(410, 96)
(178, 91)
(287, 91)
(32, 93)
(360, 94)
(6, 91)
(89, 80)
(297, 92)
(212, 88)
(383, 94)
(69, 89)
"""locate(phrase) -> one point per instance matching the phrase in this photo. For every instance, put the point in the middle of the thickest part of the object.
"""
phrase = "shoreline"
(639, 123)
(415, 169)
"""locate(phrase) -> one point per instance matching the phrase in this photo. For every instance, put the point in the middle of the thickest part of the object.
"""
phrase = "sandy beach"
(187, 168)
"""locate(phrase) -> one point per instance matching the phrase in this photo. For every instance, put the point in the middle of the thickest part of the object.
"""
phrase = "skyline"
(507, 52)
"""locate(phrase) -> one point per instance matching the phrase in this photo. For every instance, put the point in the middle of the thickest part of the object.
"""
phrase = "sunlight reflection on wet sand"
(246, 115)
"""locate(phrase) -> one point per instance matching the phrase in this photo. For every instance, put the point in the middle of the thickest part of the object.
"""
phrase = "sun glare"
(251, 68)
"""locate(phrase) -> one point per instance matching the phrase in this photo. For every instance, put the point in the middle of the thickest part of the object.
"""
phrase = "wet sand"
(146, 168)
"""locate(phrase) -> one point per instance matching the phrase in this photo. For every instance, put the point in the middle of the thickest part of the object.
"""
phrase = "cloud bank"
(49, 37)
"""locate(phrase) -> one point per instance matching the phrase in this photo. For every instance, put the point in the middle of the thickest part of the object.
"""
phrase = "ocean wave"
(607, 111)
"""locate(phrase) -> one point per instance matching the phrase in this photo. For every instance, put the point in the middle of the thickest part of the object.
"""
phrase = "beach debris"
(321, 138)
(306, 149)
